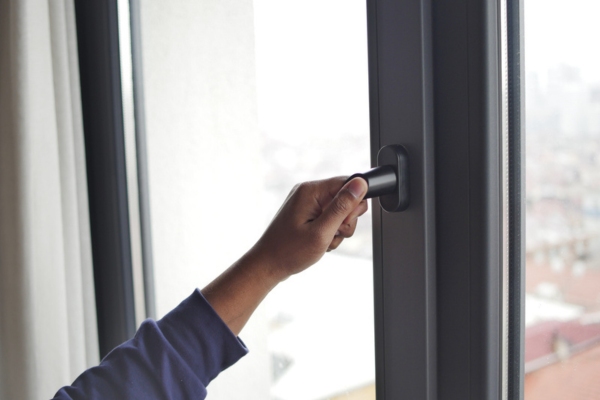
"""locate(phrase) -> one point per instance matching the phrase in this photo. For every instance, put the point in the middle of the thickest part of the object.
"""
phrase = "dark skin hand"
(315, 218)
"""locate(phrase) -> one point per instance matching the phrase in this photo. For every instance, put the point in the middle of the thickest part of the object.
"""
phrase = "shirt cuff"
(201, 337)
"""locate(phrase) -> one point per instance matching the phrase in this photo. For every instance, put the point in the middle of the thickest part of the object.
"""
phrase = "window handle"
(389, 180)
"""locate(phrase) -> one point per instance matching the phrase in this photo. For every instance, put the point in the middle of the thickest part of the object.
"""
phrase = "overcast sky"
(312, 66)
(563, 32)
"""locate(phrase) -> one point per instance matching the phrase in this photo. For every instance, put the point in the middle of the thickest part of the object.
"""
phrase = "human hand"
(315, 218)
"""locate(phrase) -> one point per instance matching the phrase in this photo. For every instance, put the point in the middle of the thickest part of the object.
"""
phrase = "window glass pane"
(562, 339)
(244, 100)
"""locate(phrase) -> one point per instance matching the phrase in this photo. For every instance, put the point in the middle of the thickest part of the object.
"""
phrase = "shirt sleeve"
(173, 358)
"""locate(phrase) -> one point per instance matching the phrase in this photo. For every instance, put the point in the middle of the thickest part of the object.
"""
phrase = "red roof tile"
(551, 341)
(581, 289)
(576, 378)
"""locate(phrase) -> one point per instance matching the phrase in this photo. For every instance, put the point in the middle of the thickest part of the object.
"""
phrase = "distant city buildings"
(562, 340)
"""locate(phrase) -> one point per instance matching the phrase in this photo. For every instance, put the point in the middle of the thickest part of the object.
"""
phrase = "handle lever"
(381, 180)
(389, 180)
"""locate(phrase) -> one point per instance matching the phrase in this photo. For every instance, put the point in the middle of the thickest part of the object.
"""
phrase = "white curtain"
(47, 311)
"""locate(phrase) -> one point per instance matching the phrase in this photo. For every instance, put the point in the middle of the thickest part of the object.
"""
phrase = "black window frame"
(449, 114)
(102, 107)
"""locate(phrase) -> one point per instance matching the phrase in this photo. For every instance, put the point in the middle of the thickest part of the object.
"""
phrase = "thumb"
(344, 202)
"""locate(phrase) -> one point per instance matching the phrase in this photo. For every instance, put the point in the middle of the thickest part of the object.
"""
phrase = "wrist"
(262, 268)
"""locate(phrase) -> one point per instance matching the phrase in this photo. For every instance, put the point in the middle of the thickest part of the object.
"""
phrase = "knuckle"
(346, 230)
(349, 233)
(298, 187)
(303, 188)
(293, 191)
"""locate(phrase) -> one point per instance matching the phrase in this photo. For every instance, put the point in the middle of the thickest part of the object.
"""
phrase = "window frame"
(516, 198)
(102, 107)
(455, 141)
(435, 80)
(400, 90)
(141, 151)
(119, 204)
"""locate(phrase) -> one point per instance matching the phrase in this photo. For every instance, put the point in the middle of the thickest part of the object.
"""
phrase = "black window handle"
(389, 180)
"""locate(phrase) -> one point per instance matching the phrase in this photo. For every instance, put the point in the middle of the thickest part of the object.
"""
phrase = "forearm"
(238, 291)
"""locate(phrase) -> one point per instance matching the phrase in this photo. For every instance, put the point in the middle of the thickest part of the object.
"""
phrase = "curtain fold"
(47, 308)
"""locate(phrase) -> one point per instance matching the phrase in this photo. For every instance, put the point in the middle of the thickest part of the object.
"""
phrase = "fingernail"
(337, 233)
(357, 187)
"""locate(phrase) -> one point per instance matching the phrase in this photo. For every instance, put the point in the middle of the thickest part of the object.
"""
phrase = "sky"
(311, 60)
(312, 74)
(563, 32)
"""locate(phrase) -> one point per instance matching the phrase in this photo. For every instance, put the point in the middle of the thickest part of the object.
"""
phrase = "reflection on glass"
(562, 340)
(244, 99)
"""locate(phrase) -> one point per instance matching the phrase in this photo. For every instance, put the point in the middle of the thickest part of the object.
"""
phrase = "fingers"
(347, 230)
(335, 243)
(362, 208)
(348, 227)
(346, 203)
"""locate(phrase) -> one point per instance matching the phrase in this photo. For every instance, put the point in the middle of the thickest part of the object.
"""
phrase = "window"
(221, 79)
(562, 339)
(243, 100)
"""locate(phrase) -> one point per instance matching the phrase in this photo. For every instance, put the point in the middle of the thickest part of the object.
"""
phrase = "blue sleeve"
(174, 358)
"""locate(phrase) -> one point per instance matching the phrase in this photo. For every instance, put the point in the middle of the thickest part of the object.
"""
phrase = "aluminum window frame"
(435, 87)
(100, 75)
(449, 115)
(516, 198)
(121, 302)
